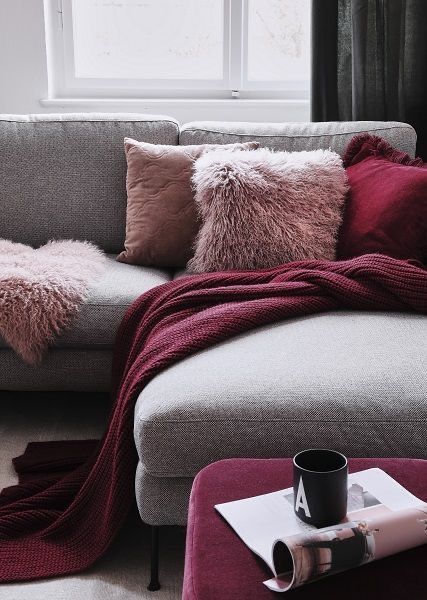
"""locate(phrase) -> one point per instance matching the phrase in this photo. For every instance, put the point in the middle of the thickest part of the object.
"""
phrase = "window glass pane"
(148, 39)
(279, 40)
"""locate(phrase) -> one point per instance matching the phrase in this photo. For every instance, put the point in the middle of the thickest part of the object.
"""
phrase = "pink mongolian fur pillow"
(263, 208)
(42, 291)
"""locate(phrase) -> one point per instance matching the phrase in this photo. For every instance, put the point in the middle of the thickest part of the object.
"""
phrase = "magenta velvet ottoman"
(218, 565)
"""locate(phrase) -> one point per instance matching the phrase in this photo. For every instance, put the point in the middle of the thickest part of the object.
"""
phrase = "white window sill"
(190, 102)
(185, 110)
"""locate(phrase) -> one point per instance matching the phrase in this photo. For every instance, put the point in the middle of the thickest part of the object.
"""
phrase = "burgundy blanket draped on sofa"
(51, 526)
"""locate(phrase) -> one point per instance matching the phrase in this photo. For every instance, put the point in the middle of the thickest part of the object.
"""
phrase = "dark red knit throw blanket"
(63, 523)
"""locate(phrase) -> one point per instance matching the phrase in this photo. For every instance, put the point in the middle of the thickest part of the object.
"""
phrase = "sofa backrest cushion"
(64, 176)
(298, 136)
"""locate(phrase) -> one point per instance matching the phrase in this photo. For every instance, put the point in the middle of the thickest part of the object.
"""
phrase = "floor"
(123, 572)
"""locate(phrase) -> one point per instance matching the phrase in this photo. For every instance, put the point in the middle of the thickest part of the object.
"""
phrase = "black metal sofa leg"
(154, 584)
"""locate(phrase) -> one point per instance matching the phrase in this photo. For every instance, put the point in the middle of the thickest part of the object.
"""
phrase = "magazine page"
(267, 523)
(372, 533)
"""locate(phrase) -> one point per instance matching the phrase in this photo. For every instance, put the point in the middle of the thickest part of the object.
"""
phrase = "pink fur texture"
(263, 208)
(42, 290)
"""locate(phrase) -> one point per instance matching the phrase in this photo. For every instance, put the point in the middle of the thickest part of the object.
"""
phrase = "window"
(179, 48)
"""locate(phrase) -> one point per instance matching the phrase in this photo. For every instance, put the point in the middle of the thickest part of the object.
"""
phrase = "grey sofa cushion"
(162, 500)
(354, 380)
(64, 176)
(64, 369)
(100, 316)
(297, 136)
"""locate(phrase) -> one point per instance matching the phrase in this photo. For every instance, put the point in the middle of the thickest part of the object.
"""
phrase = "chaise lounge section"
(349, 380)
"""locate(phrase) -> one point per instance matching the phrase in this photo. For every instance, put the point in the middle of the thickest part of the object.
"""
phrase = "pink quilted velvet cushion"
(161, 219)
(264, 208)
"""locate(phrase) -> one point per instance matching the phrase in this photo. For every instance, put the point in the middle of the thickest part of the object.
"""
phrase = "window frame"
(235, 84)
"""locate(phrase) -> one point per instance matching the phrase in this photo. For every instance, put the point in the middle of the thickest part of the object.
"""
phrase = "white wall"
(23, 73)
(24, 87)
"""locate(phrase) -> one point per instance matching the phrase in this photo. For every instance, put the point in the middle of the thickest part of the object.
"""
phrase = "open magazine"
(383, 518)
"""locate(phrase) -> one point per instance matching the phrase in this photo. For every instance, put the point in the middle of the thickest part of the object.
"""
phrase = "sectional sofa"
(351, 380)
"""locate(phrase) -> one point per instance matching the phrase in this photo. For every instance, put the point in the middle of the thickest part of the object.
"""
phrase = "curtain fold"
(369, 62)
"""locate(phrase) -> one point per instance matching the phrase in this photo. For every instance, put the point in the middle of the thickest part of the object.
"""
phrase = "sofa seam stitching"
(47, 121)
(155, 425)
(276, 135)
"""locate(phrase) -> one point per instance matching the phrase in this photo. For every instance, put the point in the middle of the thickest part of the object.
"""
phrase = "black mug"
(320, 487)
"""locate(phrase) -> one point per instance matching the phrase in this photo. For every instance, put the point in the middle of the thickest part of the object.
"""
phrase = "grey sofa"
(355, 381)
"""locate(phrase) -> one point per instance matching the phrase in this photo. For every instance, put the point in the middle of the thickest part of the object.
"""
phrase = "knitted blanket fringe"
(62, 524)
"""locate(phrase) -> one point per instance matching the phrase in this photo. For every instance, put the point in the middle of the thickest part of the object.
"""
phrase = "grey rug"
(123, 572)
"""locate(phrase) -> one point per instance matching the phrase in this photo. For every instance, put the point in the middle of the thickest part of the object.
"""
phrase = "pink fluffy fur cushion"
(42, 290)
(263, 208)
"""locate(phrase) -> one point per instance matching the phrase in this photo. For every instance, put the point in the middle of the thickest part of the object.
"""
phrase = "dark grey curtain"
(369, 62)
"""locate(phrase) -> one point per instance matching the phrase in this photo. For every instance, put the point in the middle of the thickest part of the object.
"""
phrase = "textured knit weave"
(53, 527)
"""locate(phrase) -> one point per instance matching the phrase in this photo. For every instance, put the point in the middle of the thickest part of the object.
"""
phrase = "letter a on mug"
(301, 500)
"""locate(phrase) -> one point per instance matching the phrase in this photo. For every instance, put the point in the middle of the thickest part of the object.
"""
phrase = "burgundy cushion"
(218, 565)
(386, 210)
